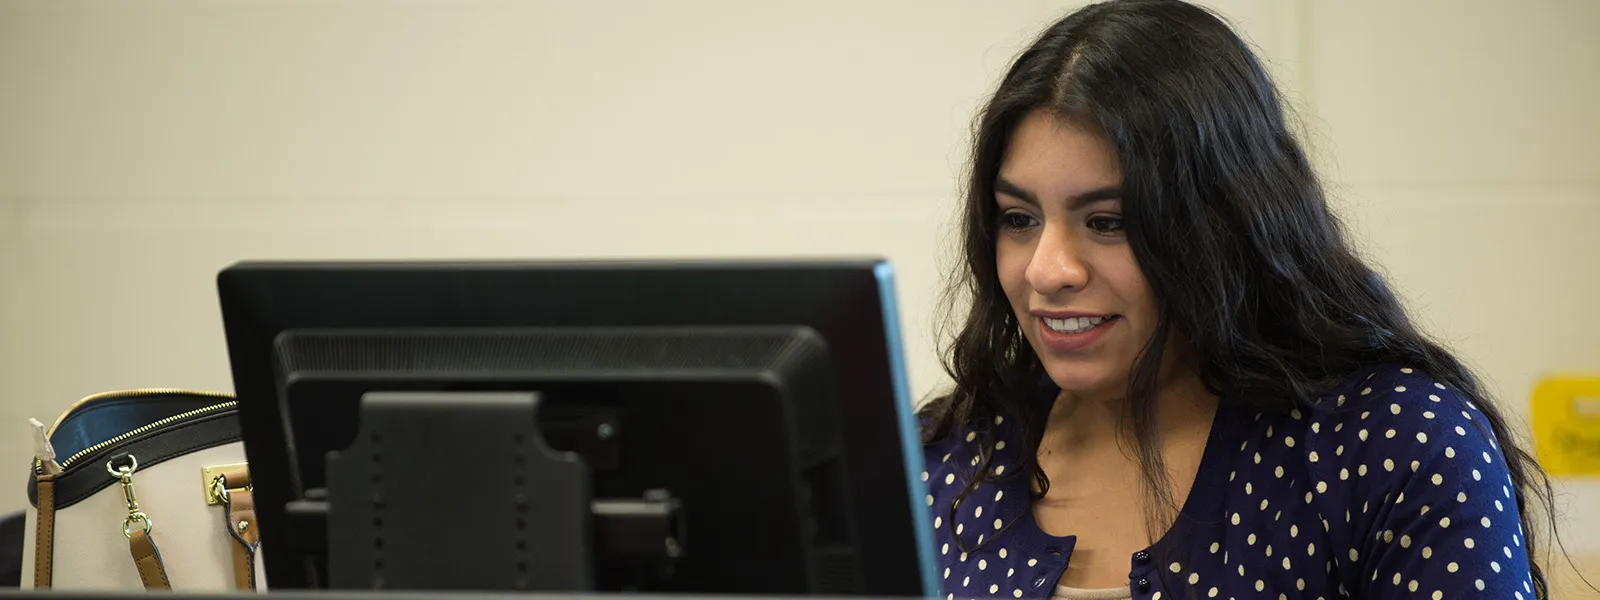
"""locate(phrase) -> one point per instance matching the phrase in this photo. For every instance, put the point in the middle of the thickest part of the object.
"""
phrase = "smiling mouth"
(1076, 324)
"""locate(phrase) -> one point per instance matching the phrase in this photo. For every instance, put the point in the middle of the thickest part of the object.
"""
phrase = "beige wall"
(143, 148)
(1461, 139)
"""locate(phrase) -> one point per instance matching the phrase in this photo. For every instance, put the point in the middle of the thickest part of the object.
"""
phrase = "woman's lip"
(1073, 342)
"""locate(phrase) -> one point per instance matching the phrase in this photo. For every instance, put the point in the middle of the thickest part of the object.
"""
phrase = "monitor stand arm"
(458, 491)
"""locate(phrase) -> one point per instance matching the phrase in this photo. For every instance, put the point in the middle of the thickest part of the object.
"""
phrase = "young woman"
(1175, 378)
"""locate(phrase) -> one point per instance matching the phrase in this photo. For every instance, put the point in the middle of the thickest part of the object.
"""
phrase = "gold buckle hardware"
(211, 481)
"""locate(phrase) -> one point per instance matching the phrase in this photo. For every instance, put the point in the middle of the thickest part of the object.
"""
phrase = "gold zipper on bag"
(228, 402)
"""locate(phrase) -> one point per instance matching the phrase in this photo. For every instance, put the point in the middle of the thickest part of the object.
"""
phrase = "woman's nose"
(1056, 264)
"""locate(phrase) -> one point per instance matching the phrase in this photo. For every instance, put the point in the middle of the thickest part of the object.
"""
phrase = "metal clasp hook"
(125, 474)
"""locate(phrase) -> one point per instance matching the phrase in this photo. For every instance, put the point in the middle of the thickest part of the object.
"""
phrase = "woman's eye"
(1016, 221)
(1105, 224)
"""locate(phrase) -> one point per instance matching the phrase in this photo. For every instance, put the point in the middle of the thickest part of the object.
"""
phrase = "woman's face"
(1064, 259)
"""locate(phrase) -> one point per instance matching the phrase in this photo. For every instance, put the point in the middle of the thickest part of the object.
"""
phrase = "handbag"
(142, 466)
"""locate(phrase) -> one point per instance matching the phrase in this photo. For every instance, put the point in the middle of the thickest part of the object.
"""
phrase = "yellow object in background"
(1566, 424)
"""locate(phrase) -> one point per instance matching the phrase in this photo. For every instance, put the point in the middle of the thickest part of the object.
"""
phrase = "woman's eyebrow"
(1074, 202)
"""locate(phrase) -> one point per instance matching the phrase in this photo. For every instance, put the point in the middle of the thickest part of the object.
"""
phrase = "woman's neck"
(1098, 489)
(1183, 409)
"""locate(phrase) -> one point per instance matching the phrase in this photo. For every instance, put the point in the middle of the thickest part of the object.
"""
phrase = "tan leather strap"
(147, 558)
(235, 476)
(45, 537)
(239, 517)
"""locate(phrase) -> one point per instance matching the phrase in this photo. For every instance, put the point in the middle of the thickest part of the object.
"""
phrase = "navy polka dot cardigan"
(1391, 487)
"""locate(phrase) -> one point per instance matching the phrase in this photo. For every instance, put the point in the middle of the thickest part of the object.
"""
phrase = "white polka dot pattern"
(1402, 458)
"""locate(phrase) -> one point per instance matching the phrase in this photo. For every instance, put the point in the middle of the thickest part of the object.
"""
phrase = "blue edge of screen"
(910, 436)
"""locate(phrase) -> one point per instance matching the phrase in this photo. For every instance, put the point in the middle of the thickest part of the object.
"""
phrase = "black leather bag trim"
(88, 474)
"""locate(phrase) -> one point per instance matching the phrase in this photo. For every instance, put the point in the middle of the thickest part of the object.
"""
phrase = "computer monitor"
(666, 426)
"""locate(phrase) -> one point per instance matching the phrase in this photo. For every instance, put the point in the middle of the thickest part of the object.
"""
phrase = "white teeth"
(1074, 324)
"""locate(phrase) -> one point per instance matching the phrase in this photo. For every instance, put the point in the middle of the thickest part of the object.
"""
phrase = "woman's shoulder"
(943, 441)
(947, 428)
(956, 448)
(1414, 467)
(1388, 414)
(1376, 433)
(1399, 409)
(1397, 430)
(1401, 473)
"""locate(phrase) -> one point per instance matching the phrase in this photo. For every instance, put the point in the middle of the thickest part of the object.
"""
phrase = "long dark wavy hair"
(1228, 223)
